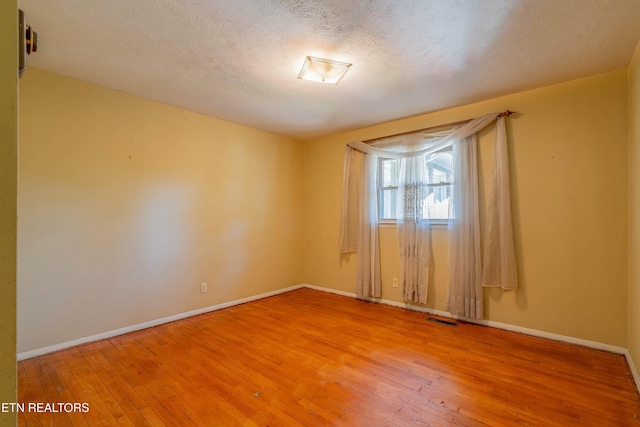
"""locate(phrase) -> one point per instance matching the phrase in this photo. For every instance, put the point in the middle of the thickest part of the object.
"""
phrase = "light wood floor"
(309, 358)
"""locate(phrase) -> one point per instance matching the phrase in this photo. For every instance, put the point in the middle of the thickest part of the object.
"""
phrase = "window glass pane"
(388, 200)
(439, 167)
(438, 202)
(389, 173)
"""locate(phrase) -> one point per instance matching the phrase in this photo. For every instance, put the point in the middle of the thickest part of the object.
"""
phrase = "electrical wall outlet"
(203, 288)
(395, 282)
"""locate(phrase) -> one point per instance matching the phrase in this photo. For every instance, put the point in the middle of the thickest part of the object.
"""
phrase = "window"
(388, 172)
(438, 204)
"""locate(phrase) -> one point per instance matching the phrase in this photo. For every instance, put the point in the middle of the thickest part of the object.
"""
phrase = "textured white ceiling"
(239, 59)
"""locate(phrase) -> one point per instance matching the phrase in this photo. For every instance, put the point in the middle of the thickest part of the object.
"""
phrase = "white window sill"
(390, 223)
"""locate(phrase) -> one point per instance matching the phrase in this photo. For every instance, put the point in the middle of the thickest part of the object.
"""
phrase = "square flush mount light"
(323, 70)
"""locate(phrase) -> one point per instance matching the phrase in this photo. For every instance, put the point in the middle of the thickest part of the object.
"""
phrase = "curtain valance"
(422, 143)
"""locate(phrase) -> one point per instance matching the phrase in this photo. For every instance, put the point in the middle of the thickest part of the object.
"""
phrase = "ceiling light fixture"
(323, 70)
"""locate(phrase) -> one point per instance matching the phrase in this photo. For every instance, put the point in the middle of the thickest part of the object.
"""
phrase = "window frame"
(392, 222)
(380, 189)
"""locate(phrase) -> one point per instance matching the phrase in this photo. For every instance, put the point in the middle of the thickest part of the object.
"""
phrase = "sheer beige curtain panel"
(368, 284)
(359, 220)
(414, 233)
(350, 204)
(500, 267)
(465, 262)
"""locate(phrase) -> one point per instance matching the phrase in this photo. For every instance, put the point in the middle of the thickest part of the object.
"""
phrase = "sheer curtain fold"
(466, 269)
(350, 204)
(465, 264)
(499, 269)
(368, 284)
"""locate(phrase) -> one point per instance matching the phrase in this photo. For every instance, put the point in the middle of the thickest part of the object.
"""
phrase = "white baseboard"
(507, 327)
(149, 324)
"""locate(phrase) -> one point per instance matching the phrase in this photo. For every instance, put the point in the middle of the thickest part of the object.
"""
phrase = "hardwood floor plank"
(308, 358)
(127, 398)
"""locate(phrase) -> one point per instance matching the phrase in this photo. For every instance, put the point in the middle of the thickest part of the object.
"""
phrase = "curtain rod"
(506, 113)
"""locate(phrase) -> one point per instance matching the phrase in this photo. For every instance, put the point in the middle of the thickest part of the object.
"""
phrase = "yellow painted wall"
(8, 188)
(127, 205)
(633, 337)
(569, 179)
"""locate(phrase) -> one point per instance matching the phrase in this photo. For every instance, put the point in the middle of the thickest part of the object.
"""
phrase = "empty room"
(320, 213)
